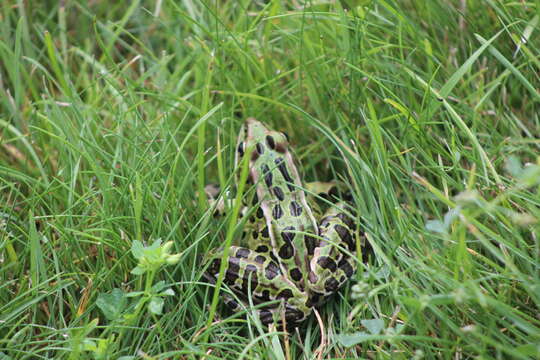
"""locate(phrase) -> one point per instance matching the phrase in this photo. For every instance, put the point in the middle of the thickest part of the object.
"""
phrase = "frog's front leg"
(332, 262)
(252, 274)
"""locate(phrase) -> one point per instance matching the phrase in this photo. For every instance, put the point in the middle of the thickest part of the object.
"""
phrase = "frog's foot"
(249, 273)
(333, 261)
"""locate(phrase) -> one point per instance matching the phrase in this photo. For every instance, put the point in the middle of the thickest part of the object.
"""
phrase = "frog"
(293, 256)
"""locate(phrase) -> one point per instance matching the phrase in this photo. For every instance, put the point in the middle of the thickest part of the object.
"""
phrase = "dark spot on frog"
(255, 234)
(270, 141)
(287, 234)
(261, 248)
(284, 172)
(286, 251)
(250, 270)
(296, 274)
(265, 296)
(311, 244)
(249, 280)
(264, 232)
(346, 220)
(232, 272)
(260, 213)
(279, 193)
(315, 299)
(346, 267)
(271, 271)
(242, 253)
(260, 148)
(345, 236)
(293, 315)
(241, 148)
(331, 285)
(259, 259)
(326, 262)
(267, 175)
(296, 208)
(273, 257)
(277, 212)
(285, 294)
(265, 316)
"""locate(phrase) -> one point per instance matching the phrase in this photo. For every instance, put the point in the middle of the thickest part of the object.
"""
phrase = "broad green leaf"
(155, 306)
(168, 292)
(349, 340)
(160, 285)
(112, 304)
(138, 270)
(137, 249)
(374, 326)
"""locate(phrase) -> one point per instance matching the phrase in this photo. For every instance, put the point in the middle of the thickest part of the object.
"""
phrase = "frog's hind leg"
(332, 262)
(269, 314)
(250, 273)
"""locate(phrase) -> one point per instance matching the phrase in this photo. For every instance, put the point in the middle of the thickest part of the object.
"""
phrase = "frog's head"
(263, 140)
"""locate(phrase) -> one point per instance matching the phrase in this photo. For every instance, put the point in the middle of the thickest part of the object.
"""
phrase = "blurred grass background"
(114, 115)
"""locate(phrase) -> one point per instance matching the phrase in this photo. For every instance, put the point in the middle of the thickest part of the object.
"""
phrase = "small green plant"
(116, 305)
(123, 312)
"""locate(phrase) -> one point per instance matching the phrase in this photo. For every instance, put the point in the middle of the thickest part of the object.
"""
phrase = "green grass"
(113, 115)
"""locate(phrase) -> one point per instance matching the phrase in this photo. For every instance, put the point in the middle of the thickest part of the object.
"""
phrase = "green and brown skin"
(290, 256)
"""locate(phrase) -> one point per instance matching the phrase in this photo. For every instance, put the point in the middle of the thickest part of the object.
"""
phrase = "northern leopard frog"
(286, 255)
